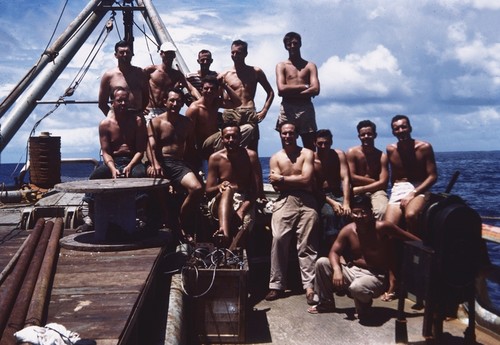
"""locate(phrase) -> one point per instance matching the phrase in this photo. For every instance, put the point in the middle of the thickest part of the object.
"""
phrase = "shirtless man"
(204, 115)
(413, 172)
(294, 213)
(124, 76)
(244, 79)
(368, 167)
(162, 78)
(298, 82)
(358, 260)
(170, 136)
(334, 186)
(123, 139)
(232, 185)
(196, 78)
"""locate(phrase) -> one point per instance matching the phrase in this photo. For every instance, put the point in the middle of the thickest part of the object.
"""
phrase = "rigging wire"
(76, 81)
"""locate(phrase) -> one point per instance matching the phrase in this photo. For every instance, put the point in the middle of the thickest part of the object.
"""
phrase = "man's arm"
(104, 92)
(154, 169)
(262, 79)
(140, 145)
(392, 230)
(232, 100)
(430, 168)
(335, 253)
(346, 183)
(184, 83)
(302, 180)
(211, 186)
(313, 89)
(106, 151)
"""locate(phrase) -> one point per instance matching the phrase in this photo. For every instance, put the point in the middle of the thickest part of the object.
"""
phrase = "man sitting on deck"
(358, 260)
(233, 175)
(171, 135)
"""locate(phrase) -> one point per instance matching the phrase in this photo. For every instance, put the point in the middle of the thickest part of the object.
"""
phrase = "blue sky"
(437, 61)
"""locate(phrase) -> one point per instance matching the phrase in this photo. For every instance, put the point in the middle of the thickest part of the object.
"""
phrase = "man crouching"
(358, 260)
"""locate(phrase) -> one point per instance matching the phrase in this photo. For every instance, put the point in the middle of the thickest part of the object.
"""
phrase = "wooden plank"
(95, 294)
(111, 185)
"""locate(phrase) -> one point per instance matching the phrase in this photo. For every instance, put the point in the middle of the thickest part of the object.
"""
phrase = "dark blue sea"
(478, 184)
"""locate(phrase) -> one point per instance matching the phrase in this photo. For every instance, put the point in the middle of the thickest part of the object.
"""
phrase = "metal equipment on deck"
(442, 269)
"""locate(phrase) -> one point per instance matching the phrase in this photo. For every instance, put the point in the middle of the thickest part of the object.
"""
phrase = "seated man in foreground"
(358, 260)
(170, 136)
(233, 174)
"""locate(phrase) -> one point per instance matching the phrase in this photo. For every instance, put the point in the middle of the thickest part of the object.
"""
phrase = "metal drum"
(45, 160)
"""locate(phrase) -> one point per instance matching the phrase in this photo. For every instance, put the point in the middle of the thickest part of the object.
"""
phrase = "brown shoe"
(273, 295)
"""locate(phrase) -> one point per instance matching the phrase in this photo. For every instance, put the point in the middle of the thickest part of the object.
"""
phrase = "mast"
(27, 102)
(40, 78)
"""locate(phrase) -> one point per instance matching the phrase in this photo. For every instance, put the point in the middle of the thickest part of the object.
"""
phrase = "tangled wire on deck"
(202, 258)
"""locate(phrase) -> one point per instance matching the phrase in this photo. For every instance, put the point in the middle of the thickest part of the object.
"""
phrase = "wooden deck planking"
(95, 293)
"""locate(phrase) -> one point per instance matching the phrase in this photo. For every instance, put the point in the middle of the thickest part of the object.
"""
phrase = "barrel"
(45, 160)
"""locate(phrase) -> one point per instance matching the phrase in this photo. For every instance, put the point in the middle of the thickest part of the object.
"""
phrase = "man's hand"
(154, 171)
(338, 278)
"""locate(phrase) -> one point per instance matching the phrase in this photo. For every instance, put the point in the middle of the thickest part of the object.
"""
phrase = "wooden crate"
(219, 315)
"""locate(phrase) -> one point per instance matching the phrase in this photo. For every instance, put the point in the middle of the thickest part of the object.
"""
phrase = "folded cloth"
(51, 334)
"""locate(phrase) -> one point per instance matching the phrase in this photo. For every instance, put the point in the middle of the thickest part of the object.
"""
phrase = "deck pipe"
(9, 293)
(21, 305)
(41, 294)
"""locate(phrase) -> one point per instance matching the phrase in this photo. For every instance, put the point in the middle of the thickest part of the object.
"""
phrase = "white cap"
(168, 46)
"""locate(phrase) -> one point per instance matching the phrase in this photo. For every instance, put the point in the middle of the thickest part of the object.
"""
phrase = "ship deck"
(118, 297)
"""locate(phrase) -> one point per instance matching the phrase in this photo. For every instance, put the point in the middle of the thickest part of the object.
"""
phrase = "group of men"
(325, 195)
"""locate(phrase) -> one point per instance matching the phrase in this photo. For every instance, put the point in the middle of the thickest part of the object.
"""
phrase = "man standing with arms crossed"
(294, 213)
(127, 77)
(298, 82)
(243, 79)
(368, 167)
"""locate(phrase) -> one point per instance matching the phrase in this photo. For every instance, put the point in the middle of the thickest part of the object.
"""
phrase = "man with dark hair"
(368, 167)
(358, 260)
(413, 172)
(334, 186)
(298, 82)
(171, 136)
(243, 79)
(232, 185)
(124, 76)
(163, 77)
(294, 213)
(204, 115)
(204, 60)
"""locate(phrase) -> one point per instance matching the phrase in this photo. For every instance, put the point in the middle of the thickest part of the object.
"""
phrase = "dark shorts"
(175, 169)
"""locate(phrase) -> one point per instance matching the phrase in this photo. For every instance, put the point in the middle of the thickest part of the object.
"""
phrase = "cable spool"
(45, 160)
